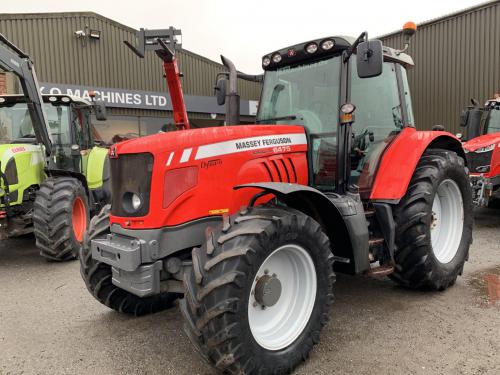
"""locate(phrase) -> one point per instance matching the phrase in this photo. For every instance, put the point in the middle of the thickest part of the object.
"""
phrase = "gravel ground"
(49, 324)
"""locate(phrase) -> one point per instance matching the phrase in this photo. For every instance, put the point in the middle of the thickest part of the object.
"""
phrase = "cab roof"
(297, 53)
(59, 99)
(493, 103)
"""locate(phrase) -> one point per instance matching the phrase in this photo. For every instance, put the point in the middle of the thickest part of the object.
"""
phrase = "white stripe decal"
(247, 144)
(170, 158)
(186, 154)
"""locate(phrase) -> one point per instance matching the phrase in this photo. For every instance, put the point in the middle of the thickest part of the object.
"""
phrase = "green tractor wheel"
(60, 218)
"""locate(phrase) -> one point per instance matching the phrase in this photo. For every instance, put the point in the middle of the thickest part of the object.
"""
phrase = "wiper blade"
(281, 118)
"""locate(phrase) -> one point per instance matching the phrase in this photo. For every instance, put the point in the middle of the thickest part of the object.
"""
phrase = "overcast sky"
(245, 30)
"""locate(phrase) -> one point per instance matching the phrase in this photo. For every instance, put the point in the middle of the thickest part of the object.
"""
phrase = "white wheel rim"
(447, 221)
(276, 327)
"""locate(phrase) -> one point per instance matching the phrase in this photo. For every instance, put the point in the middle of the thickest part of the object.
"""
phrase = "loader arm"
(13, 59)
(173, 77)
(164, 43)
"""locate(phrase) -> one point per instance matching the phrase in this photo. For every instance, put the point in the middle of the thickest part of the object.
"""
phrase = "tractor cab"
(492, 120)
(69, 122)
(309, 84)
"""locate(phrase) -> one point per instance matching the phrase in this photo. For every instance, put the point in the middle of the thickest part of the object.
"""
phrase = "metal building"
(82, 51)
(457, 57)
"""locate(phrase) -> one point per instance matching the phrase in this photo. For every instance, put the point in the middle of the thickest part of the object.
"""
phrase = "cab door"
(383, 109)
(82, 143)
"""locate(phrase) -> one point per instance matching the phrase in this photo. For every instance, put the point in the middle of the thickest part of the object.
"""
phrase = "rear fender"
(342, 218)
(401, 158)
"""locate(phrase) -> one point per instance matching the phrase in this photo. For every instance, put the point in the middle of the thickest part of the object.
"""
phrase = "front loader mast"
(164, 43)
(14, 60)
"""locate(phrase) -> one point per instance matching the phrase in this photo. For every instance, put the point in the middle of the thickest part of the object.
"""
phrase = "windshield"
(493, 124)
(306, 94)
(16, 124)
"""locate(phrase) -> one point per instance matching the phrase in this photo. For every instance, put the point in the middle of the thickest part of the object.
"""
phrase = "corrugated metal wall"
(61, 57)
(456, 57)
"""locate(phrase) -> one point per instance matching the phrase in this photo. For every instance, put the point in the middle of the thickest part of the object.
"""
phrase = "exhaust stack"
(232, 97)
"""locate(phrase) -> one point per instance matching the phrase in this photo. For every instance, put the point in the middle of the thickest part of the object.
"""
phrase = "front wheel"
(60, 218)
(98, 277)
(434, 223)
(258, 293)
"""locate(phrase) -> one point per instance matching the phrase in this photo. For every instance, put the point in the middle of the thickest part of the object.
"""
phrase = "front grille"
(130, 173)
(479, 162)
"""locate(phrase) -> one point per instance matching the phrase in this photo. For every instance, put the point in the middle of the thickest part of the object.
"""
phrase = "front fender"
(341, 216)
(401, 158)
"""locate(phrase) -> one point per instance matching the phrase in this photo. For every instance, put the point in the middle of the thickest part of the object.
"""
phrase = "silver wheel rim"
(276, 327)
(447, 221)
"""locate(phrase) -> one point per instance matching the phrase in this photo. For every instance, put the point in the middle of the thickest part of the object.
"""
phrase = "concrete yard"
(50, 324)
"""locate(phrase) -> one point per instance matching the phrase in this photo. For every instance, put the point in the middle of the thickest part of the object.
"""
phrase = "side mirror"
(470, 118)
(369, 58)
(220, 91)
(464, 118)
(100, 110)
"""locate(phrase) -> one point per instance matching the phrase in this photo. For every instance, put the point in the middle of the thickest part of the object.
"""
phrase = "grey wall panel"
(456, 57)
(61, 57)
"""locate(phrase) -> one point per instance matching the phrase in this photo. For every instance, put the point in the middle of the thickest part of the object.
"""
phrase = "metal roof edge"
(445, 17)
(21, 16)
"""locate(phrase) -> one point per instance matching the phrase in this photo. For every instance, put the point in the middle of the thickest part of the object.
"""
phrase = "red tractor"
(483, 150)
(250, 222)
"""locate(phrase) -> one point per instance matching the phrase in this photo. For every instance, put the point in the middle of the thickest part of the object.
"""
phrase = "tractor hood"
(215, 140)
(29, 151)
(199, 168)
(482, 141)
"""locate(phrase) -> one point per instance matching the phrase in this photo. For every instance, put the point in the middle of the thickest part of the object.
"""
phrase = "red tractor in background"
(250, 222)
(482, 145)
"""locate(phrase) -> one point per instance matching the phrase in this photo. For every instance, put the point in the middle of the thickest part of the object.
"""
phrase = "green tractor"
(53, 174)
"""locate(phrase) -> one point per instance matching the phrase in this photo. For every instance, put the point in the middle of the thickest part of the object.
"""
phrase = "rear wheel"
(257, 296)
(60, 218)
(434, 223)
(98, 277)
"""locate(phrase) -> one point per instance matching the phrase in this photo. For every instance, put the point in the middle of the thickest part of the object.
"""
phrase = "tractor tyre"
(60, 218)
(434, 223)
(97, 277)
(259, 291)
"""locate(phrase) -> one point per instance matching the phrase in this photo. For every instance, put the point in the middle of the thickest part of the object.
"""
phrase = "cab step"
(372, 242)
(370, 213)
(341, 259)
(381, 271)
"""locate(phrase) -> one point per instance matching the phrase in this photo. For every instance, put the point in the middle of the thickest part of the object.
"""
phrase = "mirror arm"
(362, 37)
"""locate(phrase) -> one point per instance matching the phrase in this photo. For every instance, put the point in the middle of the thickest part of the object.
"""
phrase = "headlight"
(311, 48)
(266, 61)
(132, 202)
(276, 58)
(327, 44)
(485, 149)
(136, 201)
